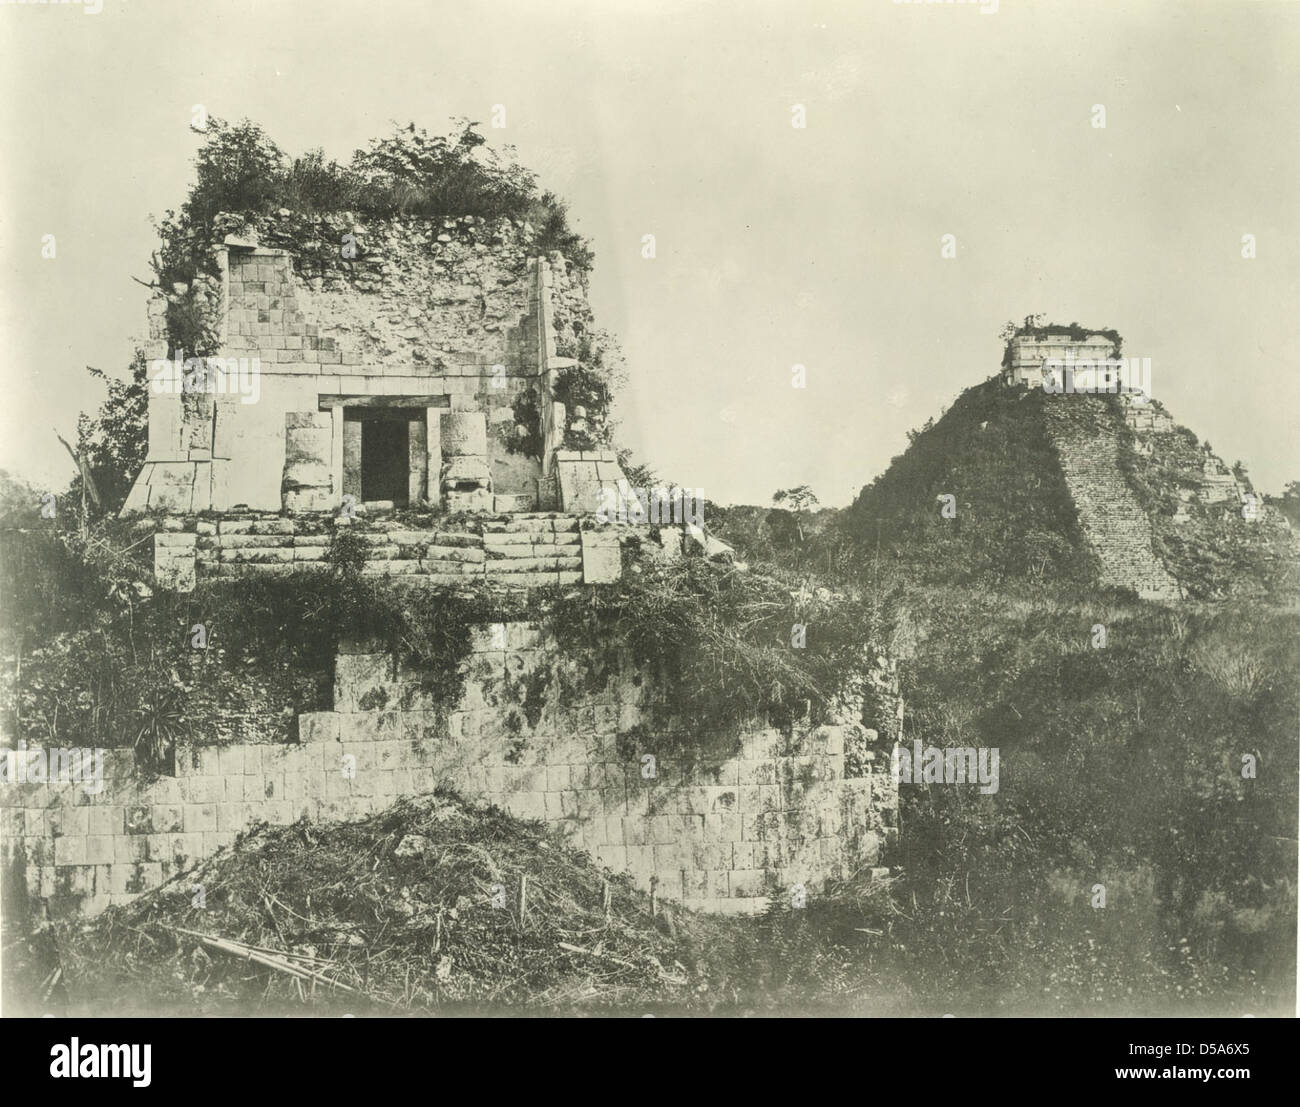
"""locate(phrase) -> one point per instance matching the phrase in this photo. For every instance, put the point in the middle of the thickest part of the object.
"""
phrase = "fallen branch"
(592, 953)
(271, 961)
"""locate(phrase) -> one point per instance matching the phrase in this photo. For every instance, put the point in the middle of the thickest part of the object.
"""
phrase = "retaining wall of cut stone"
(717, 825)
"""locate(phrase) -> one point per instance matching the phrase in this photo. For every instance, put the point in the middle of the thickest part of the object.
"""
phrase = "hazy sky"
(775, 245)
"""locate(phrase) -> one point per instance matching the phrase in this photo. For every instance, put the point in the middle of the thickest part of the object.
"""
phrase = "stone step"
(461, 568)
(454, 553)
(532, 564)
(1114, 524)
(537, 580)
(532, 549)
(258, 555)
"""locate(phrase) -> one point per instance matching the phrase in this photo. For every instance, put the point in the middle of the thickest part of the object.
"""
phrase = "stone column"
(336, 456)
(466, 476)
(433, 453)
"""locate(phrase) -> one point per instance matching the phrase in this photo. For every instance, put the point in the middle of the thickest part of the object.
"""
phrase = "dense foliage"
(114, 441)
(107, 661)
(1012, 517)
(718, 642)
(106, 658)
(1153, 762)
(240, 170)
(1160, 766)
(1211, 549)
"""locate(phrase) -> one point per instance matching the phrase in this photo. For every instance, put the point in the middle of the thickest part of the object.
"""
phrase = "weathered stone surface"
(478, 500)
(533, 565)
(257, 555)
(580, 486)
(464, 433)
(1113, 522)
(254, 541)
(601, 557)
(451, 567)
(506, 539)
(174, 541)
(453, 318)
(453, 553)
(525, 580)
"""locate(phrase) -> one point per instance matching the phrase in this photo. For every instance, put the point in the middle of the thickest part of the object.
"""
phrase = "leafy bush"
(107, 662)
(718, 642)
(240, 170)
(115, 440)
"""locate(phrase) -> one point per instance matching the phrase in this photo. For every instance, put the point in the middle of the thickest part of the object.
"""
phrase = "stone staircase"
(516, 550)
(533, 550)
(1113, 522)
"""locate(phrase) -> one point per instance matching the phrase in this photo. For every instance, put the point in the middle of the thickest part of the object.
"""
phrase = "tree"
(238, 169)
(115, 440)
(240, 172)
(1289, 504)
(19, 502)
(799, 499)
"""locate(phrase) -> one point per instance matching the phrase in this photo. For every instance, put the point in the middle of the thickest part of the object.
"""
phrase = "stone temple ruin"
(344, 388)
(1116, 527)
(408, 394)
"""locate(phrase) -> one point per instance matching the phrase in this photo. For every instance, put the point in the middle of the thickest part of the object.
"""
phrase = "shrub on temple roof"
(240, 169)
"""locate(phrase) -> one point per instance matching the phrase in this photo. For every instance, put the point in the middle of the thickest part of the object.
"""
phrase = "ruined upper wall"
(406, 295)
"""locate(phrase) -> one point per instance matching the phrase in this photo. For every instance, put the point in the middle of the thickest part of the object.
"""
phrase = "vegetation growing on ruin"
(105, 658)
(400, 907)
(1014, 516)
(525, 433)
(586, 390)
(1121, 763)
(1034, 327)
(718, 644)
(112, 442)
(1124, 766)
(241, 171)
(1120, 766)
(1213, 550)
(586, 395)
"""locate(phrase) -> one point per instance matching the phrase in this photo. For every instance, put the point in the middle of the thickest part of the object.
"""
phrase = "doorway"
(385, 447)
(385, 460)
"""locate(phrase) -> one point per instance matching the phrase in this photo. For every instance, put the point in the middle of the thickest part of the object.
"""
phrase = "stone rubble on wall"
(1147, 418)
(418, 291)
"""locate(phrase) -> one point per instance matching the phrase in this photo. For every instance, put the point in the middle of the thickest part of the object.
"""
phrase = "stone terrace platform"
(519, 550)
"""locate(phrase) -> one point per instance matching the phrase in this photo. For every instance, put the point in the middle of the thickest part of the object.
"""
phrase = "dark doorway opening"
(385, 460)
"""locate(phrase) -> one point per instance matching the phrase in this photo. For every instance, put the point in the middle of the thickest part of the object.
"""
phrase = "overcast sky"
(775, 245)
